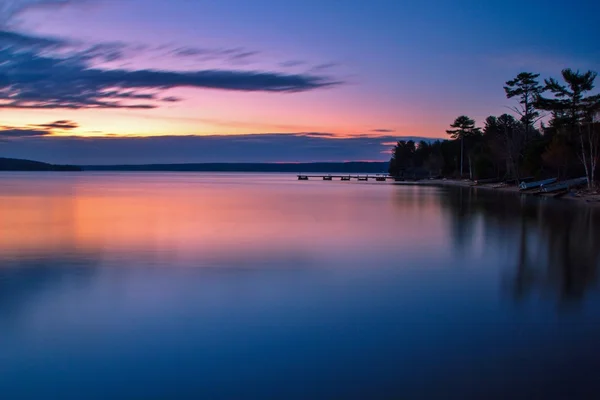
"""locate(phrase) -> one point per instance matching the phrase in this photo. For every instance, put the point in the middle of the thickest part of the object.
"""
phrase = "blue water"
(198, 286)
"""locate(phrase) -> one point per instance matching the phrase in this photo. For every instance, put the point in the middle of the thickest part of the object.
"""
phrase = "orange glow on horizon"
(212, 112)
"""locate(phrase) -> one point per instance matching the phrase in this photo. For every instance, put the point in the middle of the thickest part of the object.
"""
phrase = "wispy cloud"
(381, 130)
(60, 125)
(12, 132)
(38, 72)
(10, 9)
(292, 63)
(237, 55)
(324, 66)
(17, 40)
(37, 130)
(32, 76)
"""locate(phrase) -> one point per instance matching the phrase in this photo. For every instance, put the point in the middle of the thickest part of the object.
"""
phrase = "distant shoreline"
(18, 165)
(370, 167)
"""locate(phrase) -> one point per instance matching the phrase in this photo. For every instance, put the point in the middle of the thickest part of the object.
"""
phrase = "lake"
(258, 286)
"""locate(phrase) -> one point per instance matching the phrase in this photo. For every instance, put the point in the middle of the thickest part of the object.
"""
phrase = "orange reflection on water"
(189, 217)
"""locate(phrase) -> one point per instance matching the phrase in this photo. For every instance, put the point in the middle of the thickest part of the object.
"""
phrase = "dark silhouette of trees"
(558, 155)
(508, 138)
(418, 160)
(433, 159)
(566, 143)
(402, 157)
(576, 114)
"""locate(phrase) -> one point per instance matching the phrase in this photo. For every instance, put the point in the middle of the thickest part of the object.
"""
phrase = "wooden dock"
(330, 177)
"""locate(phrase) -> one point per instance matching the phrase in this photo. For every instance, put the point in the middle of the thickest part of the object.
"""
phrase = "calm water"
(187, 286)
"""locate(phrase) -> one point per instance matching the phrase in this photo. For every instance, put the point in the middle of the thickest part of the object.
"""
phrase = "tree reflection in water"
(555, 244)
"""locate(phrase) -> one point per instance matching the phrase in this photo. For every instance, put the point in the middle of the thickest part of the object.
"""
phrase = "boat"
(536, 184)
(566, 185)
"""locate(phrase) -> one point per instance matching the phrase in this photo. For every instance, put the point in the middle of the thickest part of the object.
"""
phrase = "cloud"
(319, 135)
(244, 54)
(12, 132)
(234, 55)
(383, 130)
(325, 66)
(299, 147)
(292, 63)
(47, 73)
(61, 125)
(10, 9)
(19, 41)
(8, 132)
(190, 52)
(54, 73)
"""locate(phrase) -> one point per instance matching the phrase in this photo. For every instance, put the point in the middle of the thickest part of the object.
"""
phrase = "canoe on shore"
(536, 184)
(566, 185)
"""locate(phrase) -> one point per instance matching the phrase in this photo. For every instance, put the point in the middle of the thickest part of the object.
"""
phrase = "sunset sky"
(326, 80)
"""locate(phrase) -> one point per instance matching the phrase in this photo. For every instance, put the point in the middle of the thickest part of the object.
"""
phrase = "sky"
(141, 81)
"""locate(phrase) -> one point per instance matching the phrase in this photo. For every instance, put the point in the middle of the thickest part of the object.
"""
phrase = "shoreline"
(590, 200)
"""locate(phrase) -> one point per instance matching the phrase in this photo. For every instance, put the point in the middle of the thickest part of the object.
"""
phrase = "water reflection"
(555, 244)
(136, 286)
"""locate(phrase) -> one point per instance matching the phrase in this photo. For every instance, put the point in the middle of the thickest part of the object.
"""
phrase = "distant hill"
(345, 167)
(13, 164)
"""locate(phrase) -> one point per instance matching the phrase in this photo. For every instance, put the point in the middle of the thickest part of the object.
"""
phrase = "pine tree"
(464, 128)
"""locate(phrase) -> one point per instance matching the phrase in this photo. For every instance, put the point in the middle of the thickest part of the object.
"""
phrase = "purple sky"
(350, 69)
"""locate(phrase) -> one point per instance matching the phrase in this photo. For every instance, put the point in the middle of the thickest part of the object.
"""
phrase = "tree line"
(553, 131)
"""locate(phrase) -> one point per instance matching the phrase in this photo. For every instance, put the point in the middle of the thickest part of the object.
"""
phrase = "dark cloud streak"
(207, 54)
(383, 130)
(62, 125)
(19, 41)
(11, 132)
(32, 76)
(37, 130)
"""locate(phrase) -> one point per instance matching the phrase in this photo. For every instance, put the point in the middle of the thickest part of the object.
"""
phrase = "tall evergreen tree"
(464, 128)
(527, 88)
